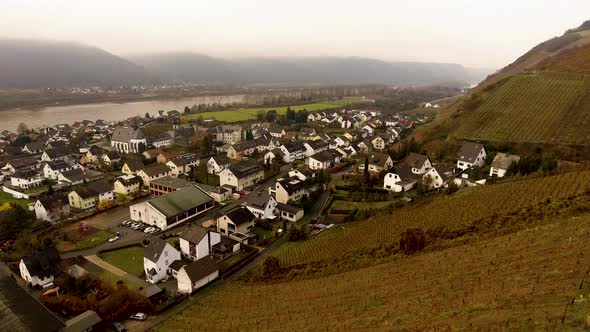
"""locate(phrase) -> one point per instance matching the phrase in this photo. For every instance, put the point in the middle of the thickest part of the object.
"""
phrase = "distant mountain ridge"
(35, 64)
(302, 70)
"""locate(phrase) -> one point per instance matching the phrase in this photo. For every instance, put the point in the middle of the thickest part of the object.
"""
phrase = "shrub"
(296, 234)
(270, 266)
(412, 240)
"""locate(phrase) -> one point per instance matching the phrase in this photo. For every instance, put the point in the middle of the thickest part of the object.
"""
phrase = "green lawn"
(37, 190)
(93, 240)
(245, 114)
(228, 262)
(129, 259)
(262, 233)
(7, 198)
(345, 205)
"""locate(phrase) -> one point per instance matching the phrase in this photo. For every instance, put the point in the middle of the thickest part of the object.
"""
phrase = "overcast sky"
(476, 33)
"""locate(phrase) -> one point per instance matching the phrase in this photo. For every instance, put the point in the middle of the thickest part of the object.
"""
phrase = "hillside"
(34, 64)
(543, 97)
(521, 281)
(291, 71)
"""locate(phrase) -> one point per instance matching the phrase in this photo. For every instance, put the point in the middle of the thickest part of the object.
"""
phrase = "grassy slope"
(542, 108)
(520, 281)
(244, 114)
(462, 208)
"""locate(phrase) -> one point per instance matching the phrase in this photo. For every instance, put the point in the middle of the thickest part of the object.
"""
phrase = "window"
(165, 254)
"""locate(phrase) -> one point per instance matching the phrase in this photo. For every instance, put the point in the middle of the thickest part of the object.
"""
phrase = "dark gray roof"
(124, 134)
(170, 182)
(135, 165)
(129, 180)
(201, 268)
(240, 216)
(154, 249)
(177, 265)
(221, 160)
(19, 311)
(378, 159)
(258, 199)
(292, 185)
(57, 152)
(82, 322)
(43, 263)
(156, 169)
(415, 160)
(288, 208)
(194, 233)
(54, 201)
(35, 146)
(113, 155)
(180, 201)
(246, 168)
(403, 170)
(469, 151)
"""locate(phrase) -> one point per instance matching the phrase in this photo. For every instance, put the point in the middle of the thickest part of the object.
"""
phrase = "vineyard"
(541, 108)
(520, 281)
(450, 211)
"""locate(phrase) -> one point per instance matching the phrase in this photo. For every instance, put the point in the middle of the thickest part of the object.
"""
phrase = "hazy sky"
(480, 33)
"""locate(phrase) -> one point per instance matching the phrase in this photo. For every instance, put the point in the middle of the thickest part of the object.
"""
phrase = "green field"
(584, 33)
(129, 259)
(7, 198)
(541, 108)
(93, 240)
(245, 114)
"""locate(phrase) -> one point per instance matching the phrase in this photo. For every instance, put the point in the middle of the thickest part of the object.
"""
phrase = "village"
(170, 207)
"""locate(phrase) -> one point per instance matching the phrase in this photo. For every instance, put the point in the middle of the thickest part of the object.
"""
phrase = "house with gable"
(291, 189)
(197, 242)
(501, 164)
(127, 185)
(293, 151)
(153, 172)
(216, 164)
(438, 176)
(261, 204)
(419, 163)
(132, 166)
(238, 220)
(471, 154)
(377, 162)
(399, 178)
(242, 175)
(40, 268)
(197, 274)
(52, 207)
(158, 255)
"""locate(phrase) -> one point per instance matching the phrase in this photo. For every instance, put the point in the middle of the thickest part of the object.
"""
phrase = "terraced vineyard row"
(543, 108)
(520, 280)
(449, 211)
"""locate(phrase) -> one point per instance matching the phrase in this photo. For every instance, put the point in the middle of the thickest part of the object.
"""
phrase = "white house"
(418, 163)
(40, 268)
(173, 208)
(473, 176)
(53, 169)
(261, 204)
(377, 162)
(197, 242)
(502, 163)
(291, 189)
(242, 175)
(239, 220)
(182, 164)
(216, 164)
(26, 179)
(153, 172)
(293, 151)
(313, 147)
(471, 154)
(196, 275)
(157, 257)
(324, 159)
(302, 173)
(127, 184)
(399, 178)
(52, 208)
(438, 176)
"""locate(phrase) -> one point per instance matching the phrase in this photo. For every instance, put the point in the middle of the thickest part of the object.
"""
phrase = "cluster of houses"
(466, 172)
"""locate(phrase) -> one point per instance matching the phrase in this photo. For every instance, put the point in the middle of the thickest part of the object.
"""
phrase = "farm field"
(460, 209)
(541, 108)
(346, 205)
(521, 281)
(245, 114)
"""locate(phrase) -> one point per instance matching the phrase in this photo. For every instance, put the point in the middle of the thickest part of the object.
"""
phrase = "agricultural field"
(541, 108)
(245, 114)
(521, 281)
(346, 205)
(455, 211)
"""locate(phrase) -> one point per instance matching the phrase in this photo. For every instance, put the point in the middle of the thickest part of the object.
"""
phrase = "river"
(49, 116)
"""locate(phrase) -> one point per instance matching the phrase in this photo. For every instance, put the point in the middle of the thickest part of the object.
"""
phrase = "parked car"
(142, 227)
(119, 327)
(139, 316)
(127, 223)
(113, 239)
(148, 230)
(136, 225)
